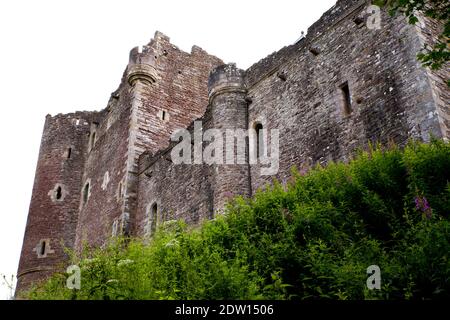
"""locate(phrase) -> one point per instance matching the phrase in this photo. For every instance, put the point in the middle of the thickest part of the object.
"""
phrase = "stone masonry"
(342, 86)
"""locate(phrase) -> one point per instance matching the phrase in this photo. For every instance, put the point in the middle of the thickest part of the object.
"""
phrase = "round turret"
(141, 67)
(225, 78)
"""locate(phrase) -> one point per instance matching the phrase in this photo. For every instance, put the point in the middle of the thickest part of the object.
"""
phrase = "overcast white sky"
(64, 56)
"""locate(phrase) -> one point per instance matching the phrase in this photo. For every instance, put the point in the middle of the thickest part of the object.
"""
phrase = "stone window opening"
(154, 217)
(282, 75)
(152, 222)
(149, 173)
(69, 153)
(58, 193)
(93, 134)
(314, 50)
(42, 249)
(163, 115)
(346, 99)
(120, 190)
(86, 193)
(358, 20)
(259, 140)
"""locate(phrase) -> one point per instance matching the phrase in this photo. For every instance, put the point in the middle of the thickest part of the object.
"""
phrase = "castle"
(107, 173)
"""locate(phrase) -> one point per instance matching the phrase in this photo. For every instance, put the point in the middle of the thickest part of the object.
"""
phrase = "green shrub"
(311, 239)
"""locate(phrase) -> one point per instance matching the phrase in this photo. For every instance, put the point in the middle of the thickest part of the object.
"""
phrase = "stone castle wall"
(298, 90)
(335, 90)
(99, 182)
(54, 207)
(390, 95)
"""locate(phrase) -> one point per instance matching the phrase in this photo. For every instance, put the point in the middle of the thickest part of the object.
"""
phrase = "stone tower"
(86, 181)
(54, 207)
(343, 85)
(229, 113)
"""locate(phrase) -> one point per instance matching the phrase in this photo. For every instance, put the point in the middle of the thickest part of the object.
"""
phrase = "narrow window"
(93, 135)
(163, 115)
(153, 217)
(58, 193)
(259, 140)
(92, 140)
(346, 98)
(86, 193)
(314, 50)
(43, 247)
(282, 75)
(69, 153)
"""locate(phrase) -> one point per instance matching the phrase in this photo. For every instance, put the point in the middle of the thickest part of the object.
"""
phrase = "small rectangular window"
(259, 140)
(163, 115)
(86, 193)
(58, 193)
(43, 247)
(346, 99)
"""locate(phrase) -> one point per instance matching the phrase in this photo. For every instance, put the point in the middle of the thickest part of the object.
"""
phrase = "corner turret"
(226, 78)
(141, 66)
(229, 109)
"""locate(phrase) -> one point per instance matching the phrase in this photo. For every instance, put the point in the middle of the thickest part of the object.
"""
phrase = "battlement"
(142, 65)
(82, 118)
(273, 62)
(339, 12)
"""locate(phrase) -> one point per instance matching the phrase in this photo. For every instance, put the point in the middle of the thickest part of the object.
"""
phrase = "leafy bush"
(311, 239)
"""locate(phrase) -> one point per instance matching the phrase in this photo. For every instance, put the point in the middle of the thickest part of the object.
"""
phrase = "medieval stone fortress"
(109, 173)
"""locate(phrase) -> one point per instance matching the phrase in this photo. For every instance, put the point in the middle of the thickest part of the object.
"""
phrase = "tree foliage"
(313, 238)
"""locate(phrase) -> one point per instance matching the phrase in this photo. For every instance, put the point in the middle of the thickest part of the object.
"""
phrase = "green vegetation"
(311, 239)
